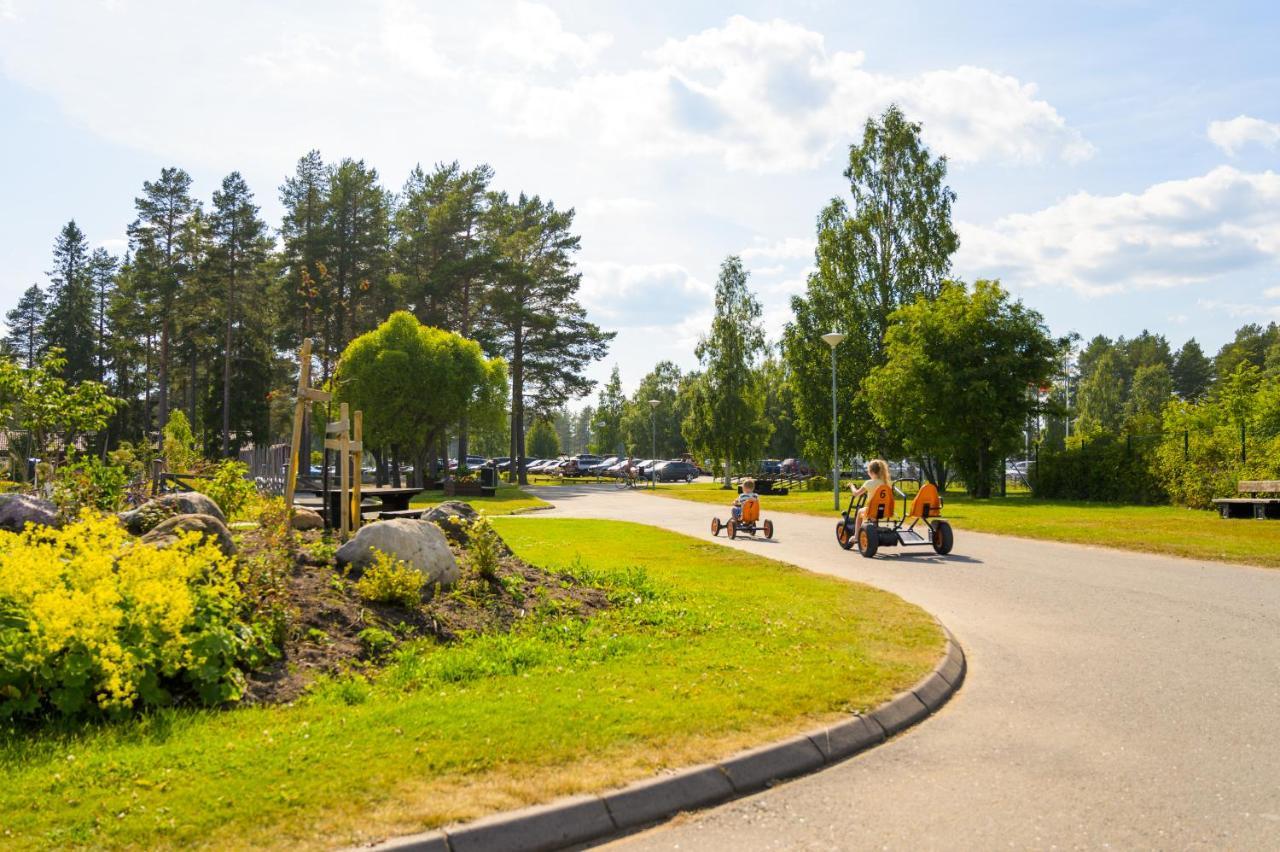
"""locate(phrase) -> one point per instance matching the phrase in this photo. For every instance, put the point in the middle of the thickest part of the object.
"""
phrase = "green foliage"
(484, 549)
(88, 483)
(890, 244)
(376, 641)
(1102, 468)
(1102, 396)
(391, 580)
(181, 453)
(666, 384)
(413, 382)
(1192, 372)
(50, 407)
(229, 486)
(725, 404)
(955, 382)
(606, 425)
(542, 441)
(1152, 389)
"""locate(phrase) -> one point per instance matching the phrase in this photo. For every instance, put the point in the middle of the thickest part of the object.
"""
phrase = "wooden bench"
(411, 514)
(1255, 506)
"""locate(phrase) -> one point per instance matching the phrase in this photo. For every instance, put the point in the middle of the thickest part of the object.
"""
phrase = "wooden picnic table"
(392, 499)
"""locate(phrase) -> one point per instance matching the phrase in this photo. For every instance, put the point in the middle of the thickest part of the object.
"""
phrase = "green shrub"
(376, 641)
(391, 580)
(88, 483)
(483, 549)
(1102, 468)
(228, 487)
(181, 454)
(1199, 458)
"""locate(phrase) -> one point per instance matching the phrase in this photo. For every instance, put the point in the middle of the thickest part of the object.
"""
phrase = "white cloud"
(1244, 130)
(788, 248)
(532, 35)
(1174, 233)
(769, 97)
(1272, 293)
(642, 295)
(1240, 310)
(620, 206)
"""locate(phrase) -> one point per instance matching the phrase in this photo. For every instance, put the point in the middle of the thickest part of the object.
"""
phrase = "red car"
(796, 467)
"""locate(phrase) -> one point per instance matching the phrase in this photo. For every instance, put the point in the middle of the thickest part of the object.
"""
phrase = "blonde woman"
(878, 471)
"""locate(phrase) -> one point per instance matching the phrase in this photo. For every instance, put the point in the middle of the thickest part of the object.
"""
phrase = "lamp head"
(833, 339)
(653, 403)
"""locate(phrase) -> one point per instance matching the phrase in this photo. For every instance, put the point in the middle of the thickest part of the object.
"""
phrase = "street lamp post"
(833, 340)
(653, 431)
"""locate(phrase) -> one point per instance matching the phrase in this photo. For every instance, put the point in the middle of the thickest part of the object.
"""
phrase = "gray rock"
(166, 532)
(17, 510)
(305, 519)
(149, 514)
(454, 517)
(420, 545)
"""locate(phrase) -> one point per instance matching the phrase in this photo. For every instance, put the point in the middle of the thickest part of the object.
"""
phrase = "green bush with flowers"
(92, 622)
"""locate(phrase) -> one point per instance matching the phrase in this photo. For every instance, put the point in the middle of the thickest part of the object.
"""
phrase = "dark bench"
(1255, 506)
(411, 514)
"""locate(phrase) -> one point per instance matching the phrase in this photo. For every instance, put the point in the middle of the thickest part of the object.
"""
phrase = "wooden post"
(344, 465)
(299, 409)
(357, 465)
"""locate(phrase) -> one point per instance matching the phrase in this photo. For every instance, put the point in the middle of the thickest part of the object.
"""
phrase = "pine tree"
(102, 281)
(26, 326)
(537, 323)
(606, 429)
(238, 252)
(1192, 371)
(69, 324)
(357, 234)
(155, 237)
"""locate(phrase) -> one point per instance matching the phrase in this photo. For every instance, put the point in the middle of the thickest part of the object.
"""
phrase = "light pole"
(653, 431)
(833, 340)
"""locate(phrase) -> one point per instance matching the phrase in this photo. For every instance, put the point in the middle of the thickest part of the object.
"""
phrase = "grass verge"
(1168, 530)
(508, 500)
(705, 651)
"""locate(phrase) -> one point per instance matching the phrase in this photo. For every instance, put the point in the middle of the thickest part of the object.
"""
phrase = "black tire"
(768, 529)
(715, 526)
(689, 478)
(844, 535)
(868, 540)
(732, 528)
(942, 538)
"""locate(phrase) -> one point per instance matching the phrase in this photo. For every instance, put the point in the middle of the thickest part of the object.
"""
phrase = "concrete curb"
(582, 819)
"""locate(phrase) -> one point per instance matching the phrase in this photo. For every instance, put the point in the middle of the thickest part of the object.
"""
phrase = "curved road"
(1113, 699)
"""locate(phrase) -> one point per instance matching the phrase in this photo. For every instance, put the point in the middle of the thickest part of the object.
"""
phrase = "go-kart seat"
(927, 503)
(751, 511)
(879, 504)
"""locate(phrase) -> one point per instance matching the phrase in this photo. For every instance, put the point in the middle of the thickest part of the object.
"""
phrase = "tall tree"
(956, 377)
(1192, 371)
(357, 231)
(726, 421)
(69, 324)
(239, 250)
(1152, 388)
(164, 211)
(888, 245)
(543, 441)
(1249, 346)
(644, 426)
(606, 428)
(26, 325)
(102, 283)
(1102, 395)
(536, 320)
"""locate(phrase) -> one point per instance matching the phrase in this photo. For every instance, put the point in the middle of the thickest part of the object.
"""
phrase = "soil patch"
(333, 630)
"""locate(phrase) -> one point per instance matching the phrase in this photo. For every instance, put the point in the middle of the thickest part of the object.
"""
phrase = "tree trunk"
(395, 465)
(226, 365)
(162, 378)
(517, 408)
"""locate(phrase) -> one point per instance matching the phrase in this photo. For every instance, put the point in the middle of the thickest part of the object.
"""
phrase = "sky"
(1115, 163)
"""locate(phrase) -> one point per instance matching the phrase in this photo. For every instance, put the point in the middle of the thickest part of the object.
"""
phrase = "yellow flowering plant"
(90, 619)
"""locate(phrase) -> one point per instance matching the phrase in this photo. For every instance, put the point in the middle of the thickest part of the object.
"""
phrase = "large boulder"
(306, 519)
(420, 545)
(167, 532)
(18, 510)
(151, 513)
(453, 517)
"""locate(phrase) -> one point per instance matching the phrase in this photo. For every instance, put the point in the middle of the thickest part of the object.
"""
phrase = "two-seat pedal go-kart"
(748, 522)
(919, 526)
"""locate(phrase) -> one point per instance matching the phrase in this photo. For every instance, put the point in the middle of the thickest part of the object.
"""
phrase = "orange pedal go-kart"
(748, 522)
(881, 529)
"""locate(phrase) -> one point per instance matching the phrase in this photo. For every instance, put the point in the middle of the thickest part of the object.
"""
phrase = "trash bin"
(489, 476)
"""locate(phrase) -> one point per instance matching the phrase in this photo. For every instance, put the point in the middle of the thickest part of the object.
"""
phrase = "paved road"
(1113, 700)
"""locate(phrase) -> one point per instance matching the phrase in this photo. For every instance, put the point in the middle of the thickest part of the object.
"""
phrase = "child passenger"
(748, 494)
(878, 470)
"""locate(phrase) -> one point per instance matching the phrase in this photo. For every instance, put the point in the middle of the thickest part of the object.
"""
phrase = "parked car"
(676, 471)
(473, 462)
(770, 467)
(599, 467)
(796, 467)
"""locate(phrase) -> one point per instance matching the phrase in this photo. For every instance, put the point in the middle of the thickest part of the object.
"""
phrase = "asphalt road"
(1113, 700)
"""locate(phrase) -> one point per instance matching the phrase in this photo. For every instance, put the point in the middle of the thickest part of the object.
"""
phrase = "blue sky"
(1115, 162)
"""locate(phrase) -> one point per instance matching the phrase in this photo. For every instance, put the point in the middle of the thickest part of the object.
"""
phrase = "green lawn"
(508, 500)
(1153, 529)
(707, 651)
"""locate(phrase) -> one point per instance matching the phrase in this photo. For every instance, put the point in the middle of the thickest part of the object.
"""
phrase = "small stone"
(17, 510)
(167, 532)
(306, 519)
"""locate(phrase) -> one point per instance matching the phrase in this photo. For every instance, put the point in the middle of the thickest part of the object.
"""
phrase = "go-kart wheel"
(715, 526)
(868, 540)
(844, 535)
(942, 537)
(732, 528)
(768, 529)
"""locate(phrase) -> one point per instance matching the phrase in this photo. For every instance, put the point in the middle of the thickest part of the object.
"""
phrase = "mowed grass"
(508, 500)
(706, 651)
(1168, 530)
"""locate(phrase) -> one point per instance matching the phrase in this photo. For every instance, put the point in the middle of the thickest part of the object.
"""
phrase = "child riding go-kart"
(746, 515)
(880, 529)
